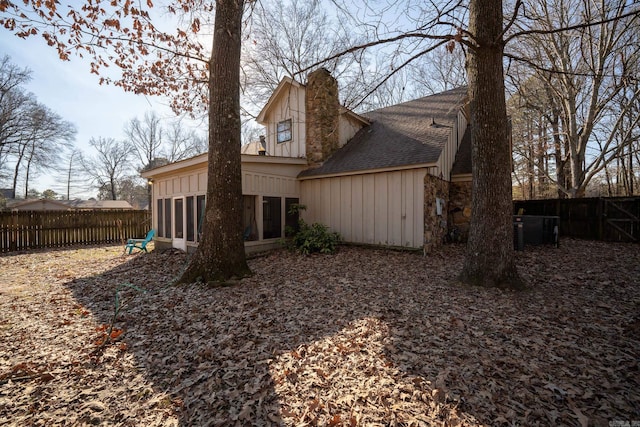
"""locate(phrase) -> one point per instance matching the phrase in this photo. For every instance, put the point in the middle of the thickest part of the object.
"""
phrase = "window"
(191, 223)
(284, 131)
(271, 217)
(290, 219)
(167, 218)
(200, 206)
(160, 211)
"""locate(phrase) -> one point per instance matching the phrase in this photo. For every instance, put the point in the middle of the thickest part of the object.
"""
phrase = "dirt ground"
(365, 337)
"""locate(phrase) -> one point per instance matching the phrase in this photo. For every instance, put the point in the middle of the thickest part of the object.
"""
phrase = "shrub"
(308, 239)
(315, 238)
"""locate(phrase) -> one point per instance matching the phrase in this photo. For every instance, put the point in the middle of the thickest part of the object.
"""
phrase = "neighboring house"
(63, 205)
(6, 193)
(36, 205)
(398, 176)
(255, 147)
(98, 204)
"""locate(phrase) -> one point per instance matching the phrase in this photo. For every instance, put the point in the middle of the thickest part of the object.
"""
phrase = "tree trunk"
(489, 259)
(112, 188)
(541, 157)
(220, 255)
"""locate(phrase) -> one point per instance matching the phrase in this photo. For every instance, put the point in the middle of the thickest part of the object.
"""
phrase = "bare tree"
(584, 70)
(50, 136)
(31, 135)
(155, 138)
(145, 137)
(15, 102)
(287, 37)
(71, 173)
(181, 142)
(109, 166)
(38, 138)
(439, 71)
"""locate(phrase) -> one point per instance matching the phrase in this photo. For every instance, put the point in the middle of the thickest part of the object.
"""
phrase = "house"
(63, 205)
(255, 147)
(398, 176)
(98, 204)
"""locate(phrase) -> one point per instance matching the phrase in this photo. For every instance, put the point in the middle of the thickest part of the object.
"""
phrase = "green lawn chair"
(140, 243)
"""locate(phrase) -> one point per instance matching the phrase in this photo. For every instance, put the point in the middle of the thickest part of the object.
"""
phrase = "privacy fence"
(51, 229)
(599, 218)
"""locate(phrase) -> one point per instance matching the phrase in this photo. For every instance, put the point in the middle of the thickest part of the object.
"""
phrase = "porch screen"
(179, 216)
(271, 217)
(159, 210)
(167, 218)
(290, 218)
(191, 230)
(200, 206)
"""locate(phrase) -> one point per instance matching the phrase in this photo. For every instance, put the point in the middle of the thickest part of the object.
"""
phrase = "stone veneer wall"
(460, 209)
(435, 226)
(322, 116)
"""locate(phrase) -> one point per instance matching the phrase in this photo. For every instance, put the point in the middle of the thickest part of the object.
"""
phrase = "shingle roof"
(413, 132)
(98, 204)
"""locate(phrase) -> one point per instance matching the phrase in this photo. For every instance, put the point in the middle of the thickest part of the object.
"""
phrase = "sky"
(70, 90)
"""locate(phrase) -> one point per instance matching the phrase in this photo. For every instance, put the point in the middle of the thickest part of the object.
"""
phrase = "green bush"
(308, 239)
(315, 238)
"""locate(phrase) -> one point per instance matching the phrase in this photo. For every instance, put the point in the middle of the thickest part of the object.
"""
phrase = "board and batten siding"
(449, 151)
(255, 180)
(269, 185)
(185, 184)
(384, 208)
(288, 105)
(348, 128)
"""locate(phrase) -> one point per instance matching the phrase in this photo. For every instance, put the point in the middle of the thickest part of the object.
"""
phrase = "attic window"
(284, 131)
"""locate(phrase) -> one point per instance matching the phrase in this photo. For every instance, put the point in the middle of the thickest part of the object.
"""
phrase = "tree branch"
(635, 13)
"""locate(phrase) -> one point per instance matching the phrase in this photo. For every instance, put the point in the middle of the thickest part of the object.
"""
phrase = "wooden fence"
(598, 218)
(51, 229)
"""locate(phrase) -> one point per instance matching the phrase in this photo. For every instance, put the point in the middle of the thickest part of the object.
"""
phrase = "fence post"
(600, 214)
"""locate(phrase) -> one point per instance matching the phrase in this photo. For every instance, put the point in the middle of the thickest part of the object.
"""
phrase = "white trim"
(370, 171)
(464, 177)
(203, 159)
(180, 164)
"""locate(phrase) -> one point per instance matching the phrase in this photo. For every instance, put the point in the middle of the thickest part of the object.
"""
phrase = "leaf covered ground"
(364, 337)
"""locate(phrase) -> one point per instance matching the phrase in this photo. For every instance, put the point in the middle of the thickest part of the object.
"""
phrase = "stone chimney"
(322, 116)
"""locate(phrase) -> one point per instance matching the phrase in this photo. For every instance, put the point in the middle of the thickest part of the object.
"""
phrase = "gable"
(286, 106)
(411, 133)
(284, 87)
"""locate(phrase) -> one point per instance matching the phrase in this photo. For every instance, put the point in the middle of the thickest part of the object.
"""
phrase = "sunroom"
(269, 188)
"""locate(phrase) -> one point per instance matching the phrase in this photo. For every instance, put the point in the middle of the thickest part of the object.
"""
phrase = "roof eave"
(180, 164)
(357, 117)
(370, 171)
(202, 160)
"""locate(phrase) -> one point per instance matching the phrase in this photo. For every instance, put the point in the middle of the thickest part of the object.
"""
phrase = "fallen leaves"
(362, 337)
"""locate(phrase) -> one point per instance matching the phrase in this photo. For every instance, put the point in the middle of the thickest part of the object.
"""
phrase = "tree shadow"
(359, 337)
